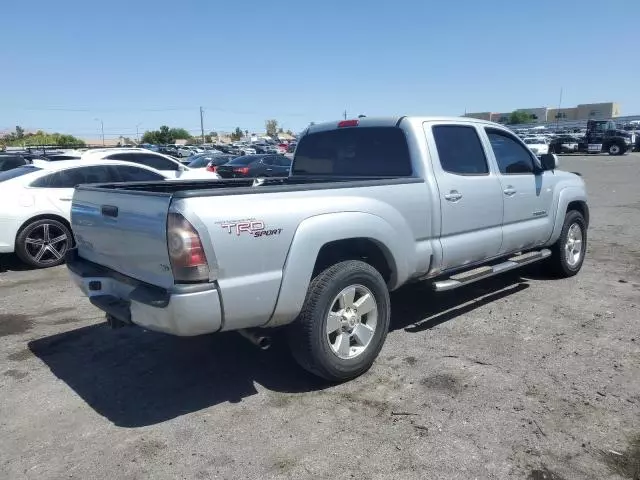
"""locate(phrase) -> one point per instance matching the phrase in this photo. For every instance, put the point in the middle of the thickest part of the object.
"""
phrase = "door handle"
(509, 191)
(65, 199)
(453, 196)
(269, 169)
(109, 211)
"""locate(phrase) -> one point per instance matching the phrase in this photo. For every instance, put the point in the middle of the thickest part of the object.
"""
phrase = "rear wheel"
(43, 243)
(343, 323)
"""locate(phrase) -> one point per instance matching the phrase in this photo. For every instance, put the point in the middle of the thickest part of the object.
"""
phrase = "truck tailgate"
(125, 231)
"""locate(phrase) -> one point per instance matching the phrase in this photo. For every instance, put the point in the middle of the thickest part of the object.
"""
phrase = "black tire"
(52, 252)
(558, 263)
(307, 335)
(616, 149)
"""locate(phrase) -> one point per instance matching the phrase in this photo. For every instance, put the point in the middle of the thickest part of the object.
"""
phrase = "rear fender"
(395, 241)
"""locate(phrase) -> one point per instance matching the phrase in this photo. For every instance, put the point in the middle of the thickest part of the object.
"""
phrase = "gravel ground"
(520, 377)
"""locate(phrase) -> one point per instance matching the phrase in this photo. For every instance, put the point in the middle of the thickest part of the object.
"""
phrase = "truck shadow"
(137, 378)
(416, 307)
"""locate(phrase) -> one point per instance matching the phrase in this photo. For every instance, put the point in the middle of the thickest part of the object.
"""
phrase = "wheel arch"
(44, 216)
(322, 240)
(570, 198)
(366, 249)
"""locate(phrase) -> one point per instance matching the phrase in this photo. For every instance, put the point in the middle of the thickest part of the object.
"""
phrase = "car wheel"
(343, 323)
(615, 149)
(43, 243)
(569, 251)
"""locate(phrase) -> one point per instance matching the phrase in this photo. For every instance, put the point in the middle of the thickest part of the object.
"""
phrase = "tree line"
(19, 138)
(166, 136)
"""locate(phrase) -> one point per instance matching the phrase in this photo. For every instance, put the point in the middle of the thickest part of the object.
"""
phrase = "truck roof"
(394, 120)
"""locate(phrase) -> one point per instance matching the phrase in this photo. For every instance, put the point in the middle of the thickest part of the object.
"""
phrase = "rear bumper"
(184, 310)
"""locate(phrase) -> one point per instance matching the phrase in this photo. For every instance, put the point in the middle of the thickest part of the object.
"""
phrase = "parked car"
(182, 151)
(9, 161)
(169, 166)
(35, 204)
(255, 166)
(246, 150)
(538, 145)
(218, 161)
(563, 144)
(204, 160)
(260, 148)
(167, 150)
(229, 149)
(371, 204)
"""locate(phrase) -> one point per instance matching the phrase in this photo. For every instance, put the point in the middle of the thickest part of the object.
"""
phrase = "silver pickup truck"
(370, 205)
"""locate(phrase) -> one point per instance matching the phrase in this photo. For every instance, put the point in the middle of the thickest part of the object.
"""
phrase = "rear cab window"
(354, 151)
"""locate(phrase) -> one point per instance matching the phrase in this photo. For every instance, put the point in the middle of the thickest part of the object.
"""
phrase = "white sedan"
(170, 167)
(539, 146)
(35, 204)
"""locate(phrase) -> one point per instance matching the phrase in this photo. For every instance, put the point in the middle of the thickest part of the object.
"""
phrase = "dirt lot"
(521, 377)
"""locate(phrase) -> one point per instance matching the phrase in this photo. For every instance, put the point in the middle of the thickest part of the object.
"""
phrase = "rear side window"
(125, 173)
(354, 151)
(460, 150)
(147, 159)
(72, 177)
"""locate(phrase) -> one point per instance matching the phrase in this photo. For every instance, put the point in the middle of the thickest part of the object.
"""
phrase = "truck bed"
(197, 188)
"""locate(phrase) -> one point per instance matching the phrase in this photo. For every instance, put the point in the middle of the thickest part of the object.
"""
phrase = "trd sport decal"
(255, 228)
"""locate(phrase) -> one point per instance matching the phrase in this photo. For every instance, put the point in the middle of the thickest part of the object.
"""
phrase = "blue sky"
(66, 63)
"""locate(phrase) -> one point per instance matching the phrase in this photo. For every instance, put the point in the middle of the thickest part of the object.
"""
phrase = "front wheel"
(569, 251)
(343, 323)
(615, 149)
(43, 243)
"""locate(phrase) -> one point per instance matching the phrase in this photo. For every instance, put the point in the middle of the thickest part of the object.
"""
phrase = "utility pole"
(345, 114)
(558, 112)
(138, 133)
(101, 128)
(201, 125)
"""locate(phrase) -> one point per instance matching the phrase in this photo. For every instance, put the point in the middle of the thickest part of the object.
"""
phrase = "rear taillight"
(188, 261)
(211, 168)
(243, 170)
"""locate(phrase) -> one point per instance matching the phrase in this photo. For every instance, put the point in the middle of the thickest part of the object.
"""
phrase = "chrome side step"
(486, 271)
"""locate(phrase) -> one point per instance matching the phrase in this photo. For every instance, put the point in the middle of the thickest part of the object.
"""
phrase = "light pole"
(137, 133)
(101, 128)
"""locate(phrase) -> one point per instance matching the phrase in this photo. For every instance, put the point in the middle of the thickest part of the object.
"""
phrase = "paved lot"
(519, 377)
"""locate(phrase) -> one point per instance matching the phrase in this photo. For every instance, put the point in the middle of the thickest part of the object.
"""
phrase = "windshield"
(17, 172)
(532, 141)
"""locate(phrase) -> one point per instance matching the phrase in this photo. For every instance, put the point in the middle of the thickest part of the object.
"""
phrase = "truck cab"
(605, 136)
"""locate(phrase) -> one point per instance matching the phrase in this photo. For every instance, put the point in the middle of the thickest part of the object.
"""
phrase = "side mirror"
(549, 161)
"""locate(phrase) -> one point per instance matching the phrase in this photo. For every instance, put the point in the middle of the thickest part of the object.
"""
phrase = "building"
(480, 115)
(598, 111)
(584, 111)
(555, 114)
